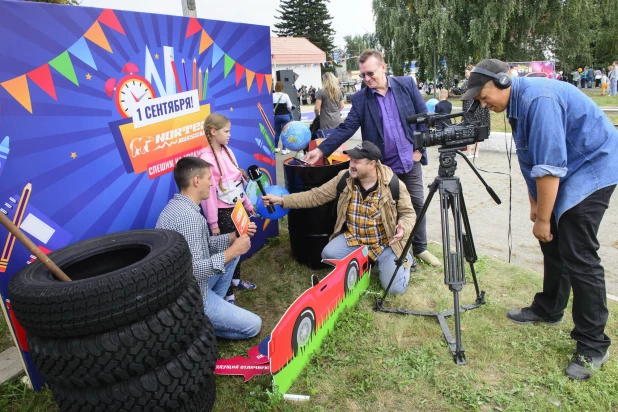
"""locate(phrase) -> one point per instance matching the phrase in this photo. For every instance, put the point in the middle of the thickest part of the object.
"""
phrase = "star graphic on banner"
(73, 155)
(231, 109)
(88, 76)
(157, 56)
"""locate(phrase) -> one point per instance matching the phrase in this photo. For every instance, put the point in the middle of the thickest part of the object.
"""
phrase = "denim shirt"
(559, 131)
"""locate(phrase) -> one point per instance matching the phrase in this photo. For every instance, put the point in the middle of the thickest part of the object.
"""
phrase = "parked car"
(536, 74)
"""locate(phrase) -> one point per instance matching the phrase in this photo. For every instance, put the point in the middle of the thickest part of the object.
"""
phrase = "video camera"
(450, 137)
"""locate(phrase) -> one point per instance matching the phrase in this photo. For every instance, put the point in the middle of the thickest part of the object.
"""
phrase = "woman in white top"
(281, 108)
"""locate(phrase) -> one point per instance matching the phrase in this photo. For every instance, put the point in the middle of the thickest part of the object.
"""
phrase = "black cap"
(477, 80)
(365, 150)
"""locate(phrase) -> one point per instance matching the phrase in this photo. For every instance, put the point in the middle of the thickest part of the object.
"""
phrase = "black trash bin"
(310, 229)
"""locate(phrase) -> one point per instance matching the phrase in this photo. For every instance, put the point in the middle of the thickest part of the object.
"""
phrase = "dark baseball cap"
(478, 80)
(365, 150)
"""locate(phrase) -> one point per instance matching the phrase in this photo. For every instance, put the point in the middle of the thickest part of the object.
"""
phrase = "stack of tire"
(128, 333)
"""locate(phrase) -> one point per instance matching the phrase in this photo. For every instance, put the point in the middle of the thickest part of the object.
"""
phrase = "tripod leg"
(469, 248)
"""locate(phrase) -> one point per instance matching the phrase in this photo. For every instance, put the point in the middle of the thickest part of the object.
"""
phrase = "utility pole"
(188, 8)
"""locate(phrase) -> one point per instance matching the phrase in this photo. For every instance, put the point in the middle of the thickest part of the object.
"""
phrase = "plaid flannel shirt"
(364, 223)
(182, 215)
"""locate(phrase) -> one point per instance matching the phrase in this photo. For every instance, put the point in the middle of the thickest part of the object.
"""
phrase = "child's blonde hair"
(218, 121)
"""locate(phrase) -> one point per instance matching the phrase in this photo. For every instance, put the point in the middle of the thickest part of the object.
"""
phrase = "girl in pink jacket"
(228, 187)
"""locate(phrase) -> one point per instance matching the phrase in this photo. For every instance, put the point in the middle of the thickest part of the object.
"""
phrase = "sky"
(349, 17)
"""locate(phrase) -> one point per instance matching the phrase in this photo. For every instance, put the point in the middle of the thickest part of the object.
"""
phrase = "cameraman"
(567, 150)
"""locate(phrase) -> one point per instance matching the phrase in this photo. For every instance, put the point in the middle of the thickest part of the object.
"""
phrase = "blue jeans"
(229, 321)
(338, 249)
(612, 87)
(280, 121)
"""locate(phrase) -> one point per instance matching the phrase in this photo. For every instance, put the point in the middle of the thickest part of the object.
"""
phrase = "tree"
(354, 45)
(309, 19)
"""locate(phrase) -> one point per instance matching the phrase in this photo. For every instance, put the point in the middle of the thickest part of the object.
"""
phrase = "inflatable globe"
(431, 104)
(296, 136)
(253, 190)
(279, 211)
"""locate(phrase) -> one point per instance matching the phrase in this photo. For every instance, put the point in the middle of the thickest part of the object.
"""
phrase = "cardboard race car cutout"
(305, 324)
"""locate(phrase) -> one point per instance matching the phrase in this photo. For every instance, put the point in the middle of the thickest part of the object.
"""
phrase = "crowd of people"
(561, 136)
(588, 77)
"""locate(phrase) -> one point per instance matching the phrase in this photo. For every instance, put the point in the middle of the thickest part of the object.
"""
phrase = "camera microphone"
(255, 174)
(420, 118)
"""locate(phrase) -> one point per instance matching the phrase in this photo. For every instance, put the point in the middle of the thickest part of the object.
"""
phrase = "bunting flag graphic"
(217, 53)
(205, 41)
(95, 34)
(18, 88)
(193, 27)
(81, 51)
(259, 78)
(108, 18)
(269, 82)
(250, 76)
(228, 65)
(42, 77)
(239, 72)
(63, 64)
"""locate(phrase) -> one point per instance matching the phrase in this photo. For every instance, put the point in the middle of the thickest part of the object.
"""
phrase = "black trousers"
(414, 183)
(226, 225)
(571, 262)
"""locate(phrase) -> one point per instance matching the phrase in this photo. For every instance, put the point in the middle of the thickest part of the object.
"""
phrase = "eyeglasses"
(369, 74)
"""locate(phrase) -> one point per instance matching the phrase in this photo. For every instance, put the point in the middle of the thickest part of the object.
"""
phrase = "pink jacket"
(231, 173)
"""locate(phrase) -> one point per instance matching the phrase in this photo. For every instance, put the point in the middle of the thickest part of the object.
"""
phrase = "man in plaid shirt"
(367, 215)
(214, 257)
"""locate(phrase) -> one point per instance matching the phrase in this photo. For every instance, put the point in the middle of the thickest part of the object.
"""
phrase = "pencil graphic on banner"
(265, 148)
(267, 137)
(17, 218)
(4, 152)
(264, 159)
(199, 90)
(270, 126)
(205, 84)
(184, 69)
(176, 78)
(266, 222)
(194, 67)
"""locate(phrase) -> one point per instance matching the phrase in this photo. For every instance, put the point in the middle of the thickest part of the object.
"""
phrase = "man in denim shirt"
(568, 154)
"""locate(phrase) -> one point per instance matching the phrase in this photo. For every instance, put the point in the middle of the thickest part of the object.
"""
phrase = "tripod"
(451, 197)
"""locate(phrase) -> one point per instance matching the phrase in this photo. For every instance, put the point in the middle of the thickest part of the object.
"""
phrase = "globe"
(279, 211)
(253, 190)
(296, 135)
(431, 104)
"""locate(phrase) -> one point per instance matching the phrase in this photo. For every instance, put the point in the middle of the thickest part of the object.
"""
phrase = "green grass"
(378, 361)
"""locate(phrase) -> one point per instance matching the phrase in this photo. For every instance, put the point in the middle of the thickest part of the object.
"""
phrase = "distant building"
(301, 56)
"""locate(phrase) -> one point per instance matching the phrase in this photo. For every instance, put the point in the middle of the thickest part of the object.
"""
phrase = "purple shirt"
(398, 149)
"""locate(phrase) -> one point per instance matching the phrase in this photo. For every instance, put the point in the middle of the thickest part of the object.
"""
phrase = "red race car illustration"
(307, 314)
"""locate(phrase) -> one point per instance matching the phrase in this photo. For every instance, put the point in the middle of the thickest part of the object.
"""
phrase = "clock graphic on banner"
(130, 90)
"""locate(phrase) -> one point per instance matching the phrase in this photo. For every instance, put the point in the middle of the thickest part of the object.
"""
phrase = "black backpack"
(393, 186)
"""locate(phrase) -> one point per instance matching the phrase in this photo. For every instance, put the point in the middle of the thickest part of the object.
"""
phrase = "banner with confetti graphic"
(96, 108)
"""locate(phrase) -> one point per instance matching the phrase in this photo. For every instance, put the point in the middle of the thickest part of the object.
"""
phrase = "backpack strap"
(340, 186)
(394, 186)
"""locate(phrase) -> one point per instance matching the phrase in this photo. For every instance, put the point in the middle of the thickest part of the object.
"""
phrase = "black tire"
(204, 400)
(304, 329)
(352, 274)
(170, 387)
(126, 352)
(117, 279)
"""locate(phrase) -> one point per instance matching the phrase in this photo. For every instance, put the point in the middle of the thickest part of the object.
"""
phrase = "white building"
(301, 56)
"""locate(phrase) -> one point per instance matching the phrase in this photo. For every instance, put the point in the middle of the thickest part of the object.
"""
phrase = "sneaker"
(231, 301)
(285, 151)
(277, 150)
(582, 367)
(526, 316)
(428, 258)
(244, 285)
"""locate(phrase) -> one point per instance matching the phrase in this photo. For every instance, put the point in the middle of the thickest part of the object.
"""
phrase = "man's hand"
(542, 230)
(532, 208)
(417, 156)
(272, 200)
(313, 156)
(241, 245)
(216, 231)
(251, 229)
(398, 234)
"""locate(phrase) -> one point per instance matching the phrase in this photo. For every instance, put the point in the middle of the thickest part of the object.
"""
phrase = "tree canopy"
(354, 45)
(574, 32)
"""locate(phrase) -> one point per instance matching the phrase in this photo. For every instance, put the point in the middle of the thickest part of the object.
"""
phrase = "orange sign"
(337, 155)
(240, 218)
(149, 145)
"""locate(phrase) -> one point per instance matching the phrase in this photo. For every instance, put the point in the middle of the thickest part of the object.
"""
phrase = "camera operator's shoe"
(526, 316)
(582, 367)
(428, 258)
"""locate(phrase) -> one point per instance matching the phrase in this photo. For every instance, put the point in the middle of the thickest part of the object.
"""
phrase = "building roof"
(295, 50)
